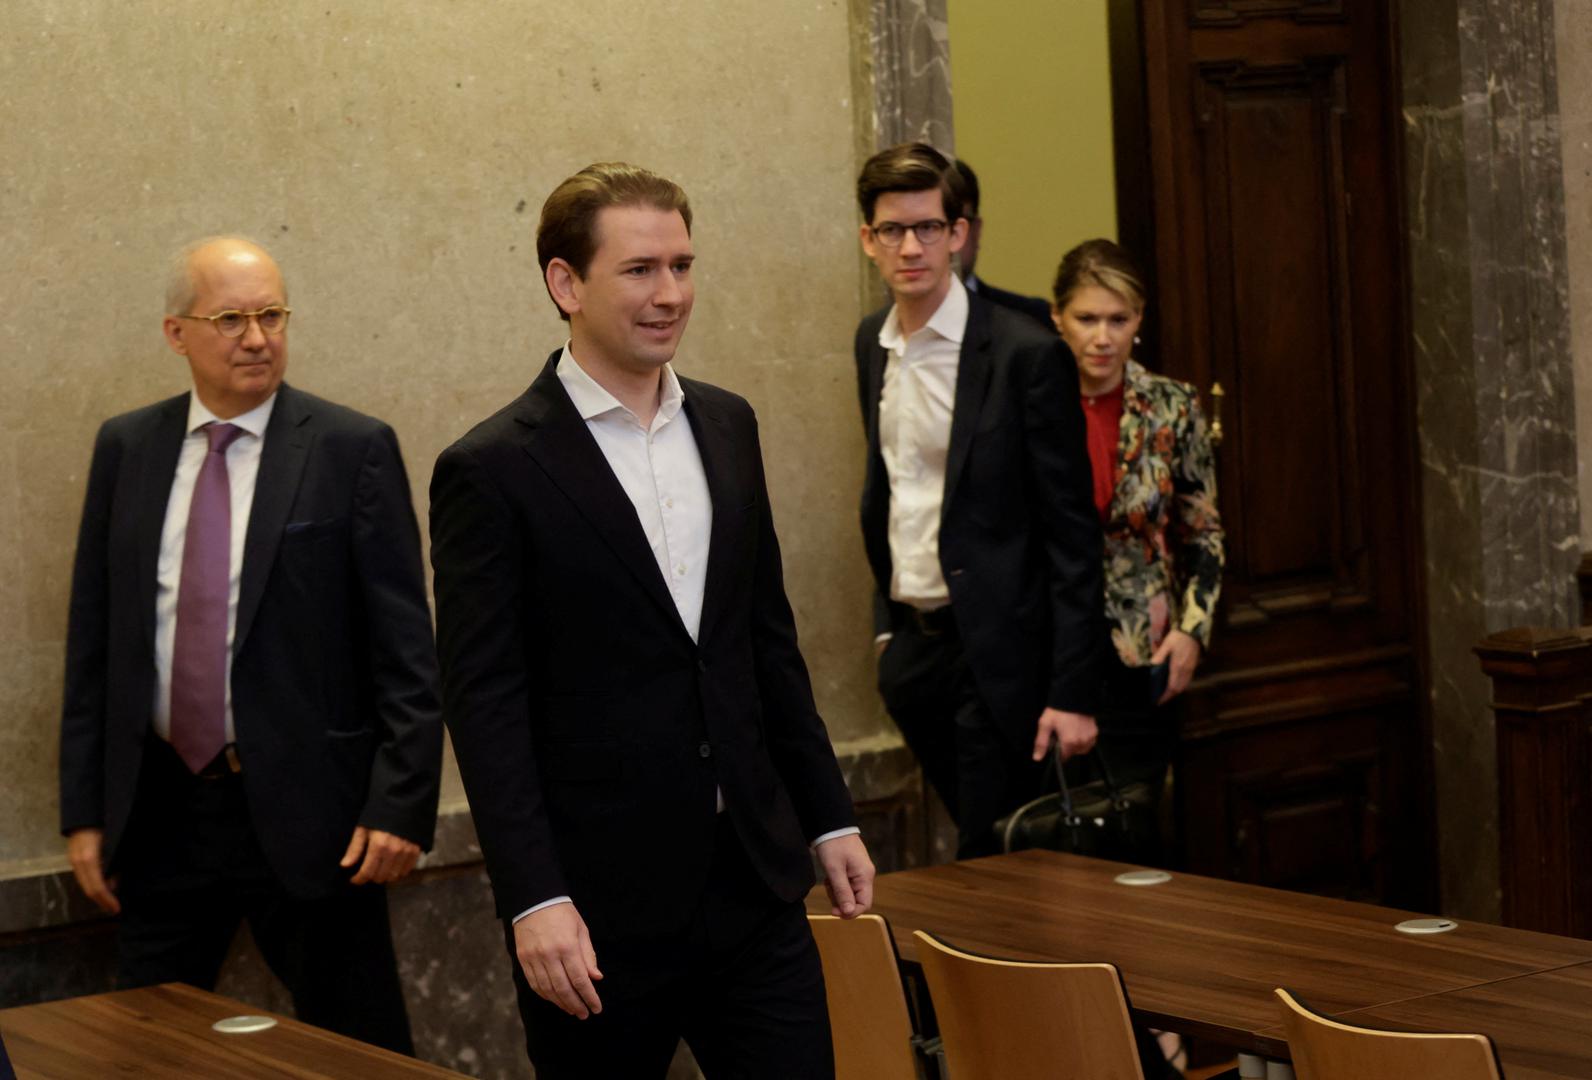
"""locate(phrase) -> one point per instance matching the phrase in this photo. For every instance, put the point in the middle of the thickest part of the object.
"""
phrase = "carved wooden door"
(1266, 196)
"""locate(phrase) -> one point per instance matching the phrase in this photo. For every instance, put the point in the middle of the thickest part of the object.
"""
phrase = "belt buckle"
(928, 622)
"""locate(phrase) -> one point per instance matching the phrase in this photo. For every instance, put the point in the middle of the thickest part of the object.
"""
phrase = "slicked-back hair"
(568, 227)
(913, 166)
(1102, 263)
(182, 290)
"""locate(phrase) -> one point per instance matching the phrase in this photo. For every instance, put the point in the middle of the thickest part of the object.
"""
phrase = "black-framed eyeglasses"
(891, 233)
(272, 320)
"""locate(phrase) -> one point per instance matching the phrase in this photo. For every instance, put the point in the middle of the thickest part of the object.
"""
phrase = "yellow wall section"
(1031, 87)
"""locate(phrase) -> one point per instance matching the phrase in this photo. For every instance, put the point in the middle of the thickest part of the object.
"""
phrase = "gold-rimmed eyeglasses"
(891, 233)
(272, 320)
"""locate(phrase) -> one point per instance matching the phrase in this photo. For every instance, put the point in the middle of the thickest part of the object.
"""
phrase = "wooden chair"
(868, 1015)
(1326, 1049)
(1011, 1020)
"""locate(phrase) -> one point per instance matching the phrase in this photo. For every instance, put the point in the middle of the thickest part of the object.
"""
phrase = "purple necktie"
(199, 654)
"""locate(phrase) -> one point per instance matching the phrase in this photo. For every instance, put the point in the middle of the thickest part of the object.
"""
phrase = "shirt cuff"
(543, 904)
(828, 836)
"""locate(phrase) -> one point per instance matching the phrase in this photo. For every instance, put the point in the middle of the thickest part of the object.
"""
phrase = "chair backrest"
(867, 1005)
(1012, 1020)
(1327, 1049)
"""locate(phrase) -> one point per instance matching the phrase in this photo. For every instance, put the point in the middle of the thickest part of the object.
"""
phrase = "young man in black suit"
(632, 717)
(250, 727)
(1032, 306)
(977, 510)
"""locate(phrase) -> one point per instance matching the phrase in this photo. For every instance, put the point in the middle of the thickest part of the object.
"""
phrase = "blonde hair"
(1102, 263)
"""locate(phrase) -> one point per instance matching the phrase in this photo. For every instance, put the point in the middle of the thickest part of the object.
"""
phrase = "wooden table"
(164, 1031)
(1198, 955)
(1541, 1023)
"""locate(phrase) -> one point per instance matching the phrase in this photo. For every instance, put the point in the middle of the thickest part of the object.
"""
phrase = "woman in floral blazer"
(1155, 490)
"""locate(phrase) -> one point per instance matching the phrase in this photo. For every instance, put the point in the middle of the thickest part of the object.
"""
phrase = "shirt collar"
(253, 421)
(949, 320)
(592, 401)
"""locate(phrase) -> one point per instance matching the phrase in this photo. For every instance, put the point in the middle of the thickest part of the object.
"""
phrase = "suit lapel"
(557, 440)
(288, 437)
(972, 383)
(718, 453)
(158, 471)
(877, 358)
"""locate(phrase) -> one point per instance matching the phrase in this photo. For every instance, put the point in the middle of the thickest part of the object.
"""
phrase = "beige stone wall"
(1573, 29)
(1032, 86)
(394, 155)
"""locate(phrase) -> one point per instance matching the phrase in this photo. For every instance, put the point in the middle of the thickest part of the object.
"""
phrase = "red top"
(1103, 415)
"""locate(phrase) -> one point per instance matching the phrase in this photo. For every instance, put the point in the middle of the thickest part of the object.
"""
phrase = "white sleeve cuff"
(836, 835)
(543, 904)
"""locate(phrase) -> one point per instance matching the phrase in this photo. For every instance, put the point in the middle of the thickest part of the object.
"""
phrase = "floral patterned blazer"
(1163, 536)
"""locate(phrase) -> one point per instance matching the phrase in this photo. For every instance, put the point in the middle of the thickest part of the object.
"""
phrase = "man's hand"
(83, 848)
(385, 857)
(1182, 652)
(1074, 733)
(555, 953)
(848, 875)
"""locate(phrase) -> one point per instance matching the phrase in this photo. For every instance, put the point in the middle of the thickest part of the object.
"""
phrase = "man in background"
(250, 727)
(1032, 306)
(977, 510)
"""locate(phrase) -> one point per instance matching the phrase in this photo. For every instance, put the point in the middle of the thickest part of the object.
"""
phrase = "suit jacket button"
(702, 666)
(705, 751)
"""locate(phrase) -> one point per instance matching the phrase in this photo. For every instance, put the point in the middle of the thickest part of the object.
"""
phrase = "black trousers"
(974, 768)
(742, 986)
(191, 869)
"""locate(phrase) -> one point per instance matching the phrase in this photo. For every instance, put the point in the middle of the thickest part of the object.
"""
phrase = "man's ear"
(563, 285)
(958, 234)
(866, 235)
(173, 328)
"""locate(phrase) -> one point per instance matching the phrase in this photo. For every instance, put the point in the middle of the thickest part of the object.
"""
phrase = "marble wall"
(394, 155)
(1491, 331)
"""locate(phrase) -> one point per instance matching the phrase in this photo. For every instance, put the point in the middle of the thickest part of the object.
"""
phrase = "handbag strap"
(1113, 792)
(1068, 817)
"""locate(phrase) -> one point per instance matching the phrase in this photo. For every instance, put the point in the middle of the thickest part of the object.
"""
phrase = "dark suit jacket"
(1032, 306)
(1019, 537)
(590, 729)
(333, 670)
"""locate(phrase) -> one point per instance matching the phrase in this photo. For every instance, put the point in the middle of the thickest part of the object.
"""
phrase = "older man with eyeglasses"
(250, 727)
(977, 510)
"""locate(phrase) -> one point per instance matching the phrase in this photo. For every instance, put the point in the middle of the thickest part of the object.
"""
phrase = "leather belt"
(932, 623)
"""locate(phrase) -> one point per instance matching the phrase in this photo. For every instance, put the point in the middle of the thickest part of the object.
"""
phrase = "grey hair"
(181, 292)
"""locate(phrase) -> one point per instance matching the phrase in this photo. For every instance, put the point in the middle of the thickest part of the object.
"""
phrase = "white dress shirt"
(660, 468)
(243, 466)
(915, 406)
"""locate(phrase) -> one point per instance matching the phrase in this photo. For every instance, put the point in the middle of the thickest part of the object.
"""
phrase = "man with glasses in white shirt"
(250, 727)
(632, 717)
(977, 510)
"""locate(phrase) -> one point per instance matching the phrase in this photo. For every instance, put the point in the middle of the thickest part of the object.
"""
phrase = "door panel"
(1272, 196)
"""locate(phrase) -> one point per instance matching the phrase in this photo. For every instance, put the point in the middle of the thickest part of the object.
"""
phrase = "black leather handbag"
(1098, 818)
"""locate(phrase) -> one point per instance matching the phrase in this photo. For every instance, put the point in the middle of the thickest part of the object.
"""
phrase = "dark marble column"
(1490, 322)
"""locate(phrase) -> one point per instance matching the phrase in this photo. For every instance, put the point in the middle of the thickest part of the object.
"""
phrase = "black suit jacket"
(1020, 540)
(334, 668)
(590, 729)
(1032, 306)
